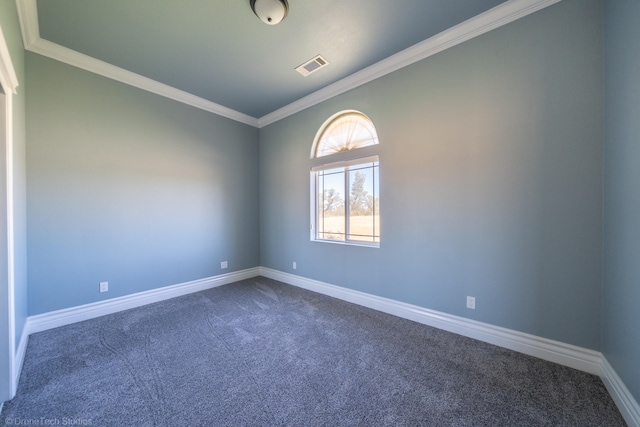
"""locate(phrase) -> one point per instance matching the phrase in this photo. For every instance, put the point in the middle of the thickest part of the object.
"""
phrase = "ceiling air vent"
(312, 65)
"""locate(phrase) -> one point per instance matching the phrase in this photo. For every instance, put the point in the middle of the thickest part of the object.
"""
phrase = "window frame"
(348, 160)
(369, 162)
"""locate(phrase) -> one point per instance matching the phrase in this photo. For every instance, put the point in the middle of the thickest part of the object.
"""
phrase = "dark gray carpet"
(262, 353)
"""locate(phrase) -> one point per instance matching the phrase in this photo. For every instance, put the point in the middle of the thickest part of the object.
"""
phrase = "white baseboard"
(569, 355)
(628, 406)
(54, 319)
(565, 354)
(67, 316)
(543, 348)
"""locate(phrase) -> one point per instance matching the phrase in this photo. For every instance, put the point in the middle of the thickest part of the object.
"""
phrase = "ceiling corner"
(28, 16)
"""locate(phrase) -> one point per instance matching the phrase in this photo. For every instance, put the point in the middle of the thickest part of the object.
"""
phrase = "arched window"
(345, 195)
(345, 131)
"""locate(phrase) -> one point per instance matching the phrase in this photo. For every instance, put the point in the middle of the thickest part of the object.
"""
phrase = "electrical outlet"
(104, 286)
(224, 264)
(295, 265)
(471, 303)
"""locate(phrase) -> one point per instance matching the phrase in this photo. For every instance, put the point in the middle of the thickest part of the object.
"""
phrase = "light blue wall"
(491, 158)
(491, 180)
(11, 30)
(621, 313)
(131, 188)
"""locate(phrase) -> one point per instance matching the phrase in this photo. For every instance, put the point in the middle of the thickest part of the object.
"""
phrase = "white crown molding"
(628, 406)
(28, 15)
(498, 16)
(71, 57)
(67, 316)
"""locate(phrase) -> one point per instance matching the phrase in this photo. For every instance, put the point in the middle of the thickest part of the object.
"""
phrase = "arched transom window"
(345, 195)
(345, 131)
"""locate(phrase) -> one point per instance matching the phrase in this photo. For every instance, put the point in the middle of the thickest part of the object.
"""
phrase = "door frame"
(9, 83)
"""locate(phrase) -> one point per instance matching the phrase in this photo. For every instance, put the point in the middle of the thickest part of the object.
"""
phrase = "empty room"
(320, 212)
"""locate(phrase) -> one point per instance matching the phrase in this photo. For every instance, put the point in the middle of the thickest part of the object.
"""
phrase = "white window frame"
(345, 157)
(347, 165)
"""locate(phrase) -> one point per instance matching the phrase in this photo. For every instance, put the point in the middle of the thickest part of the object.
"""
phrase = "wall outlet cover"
(471, 303)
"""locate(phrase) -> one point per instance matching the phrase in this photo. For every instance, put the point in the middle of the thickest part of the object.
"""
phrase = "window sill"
(360, 244)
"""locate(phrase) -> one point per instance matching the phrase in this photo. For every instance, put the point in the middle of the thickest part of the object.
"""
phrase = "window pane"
(346, 132)
(346, 200)
(331, 215)
(364, 216)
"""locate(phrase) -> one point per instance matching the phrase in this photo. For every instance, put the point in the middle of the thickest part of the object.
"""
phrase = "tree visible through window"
(345, 193)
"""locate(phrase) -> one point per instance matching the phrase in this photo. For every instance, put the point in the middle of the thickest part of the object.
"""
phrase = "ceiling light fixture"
(270, 12)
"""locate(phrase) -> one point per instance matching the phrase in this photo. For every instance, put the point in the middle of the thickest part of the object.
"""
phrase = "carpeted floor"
(262, 353)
